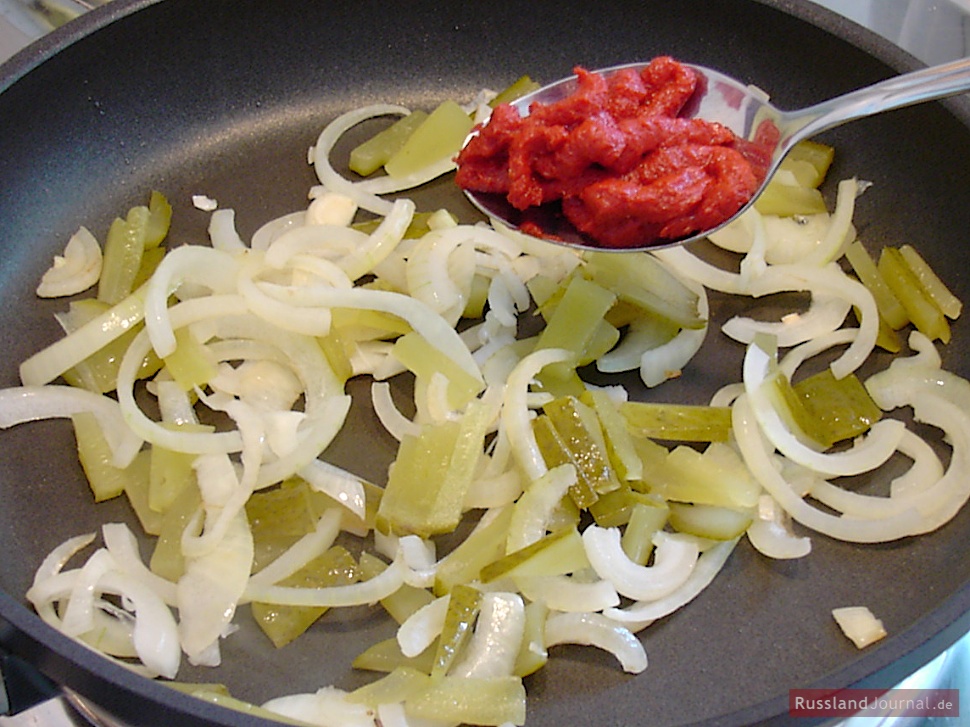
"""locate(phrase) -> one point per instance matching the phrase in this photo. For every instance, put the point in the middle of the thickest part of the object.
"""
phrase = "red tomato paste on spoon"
(627, 169)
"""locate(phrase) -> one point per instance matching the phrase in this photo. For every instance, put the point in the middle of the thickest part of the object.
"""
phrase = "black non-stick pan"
(223, 97)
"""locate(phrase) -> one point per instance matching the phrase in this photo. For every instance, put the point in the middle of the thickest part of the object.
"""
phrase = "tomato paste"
(626, 168)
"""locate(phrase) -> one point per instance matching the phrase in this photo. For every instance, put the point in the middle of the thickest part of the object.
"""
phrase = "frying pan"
(222, 97)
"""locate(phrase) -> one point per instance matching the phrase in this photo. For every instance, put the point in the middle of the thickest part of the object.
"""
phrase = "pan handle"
(21, 685)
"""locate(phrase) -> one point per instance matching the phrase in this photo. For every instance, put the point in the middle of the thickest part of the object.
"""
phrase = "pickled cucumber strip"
(126, 242)
(156, 226)
(533, 655)
(369, 156)
(615, 508)
(677, 422)
(338, 356)
(464, 604)
(569, 433)
(786, 200)
(424, 360)
(557, 553)
(816, 154)
(922, 311)
(717, 476)
(438, 137)
(428, 480)
(709, 521)
(935, 288)
(642, 280)
(483, 545)
(572, 326)
(171, 471)
(190, 364)
(518, 88)
(835, 409)
(136, 489)
(619, 441)
(386, 656)
(167, 560)
(283, 624)
(399, 684)
(646, 520)
(463, 700)
(122, 259)
(890, 309)
(106, 480)
(278, 517)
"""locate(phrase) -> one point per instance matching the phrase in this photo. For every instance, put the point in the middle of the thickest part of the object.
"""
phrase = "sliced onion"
(495, 642)
(222, 231)
(667, 360)
(214, 269)
(569, 594)
(840, 231)
(515, 412)
(856, 530)
(771, 535)
(34, 403)
(876, 447)
(328, 707)
(595, 629)
(330, 178)
(65, 353)
(357, 594)
(211, 586)
(674, 559)
(423, 626)
(642, 613)
(398, 425)
(534, 508)
(345, 489)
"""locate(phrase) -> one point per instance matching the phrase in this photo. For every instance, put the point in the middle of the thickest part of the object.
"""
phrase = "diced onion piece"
(76, 270)
(859, 625)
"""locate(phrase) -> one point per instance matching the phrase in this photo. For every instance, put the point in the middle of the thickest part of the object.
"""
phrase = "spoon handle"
(927, 84)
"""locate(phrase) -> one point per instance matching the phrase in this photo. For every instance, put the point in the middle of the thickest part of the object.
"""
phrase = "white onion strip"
(855, 530)
(358, 594)
(34, 403)
(329, 177)
(674, 558)
(595, 629)
(642, 613)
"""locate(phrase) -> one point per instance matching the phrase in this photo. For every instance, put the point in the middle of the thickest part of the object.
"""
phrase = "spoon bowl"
(746, 111)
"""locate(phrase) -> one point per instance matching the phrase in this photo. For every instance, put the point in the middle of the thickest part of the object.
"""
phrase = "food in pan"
(205, 381)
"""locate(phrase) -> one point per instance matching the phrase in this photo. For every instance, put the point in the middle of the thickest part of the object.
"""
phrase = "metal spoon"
(742, 108)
